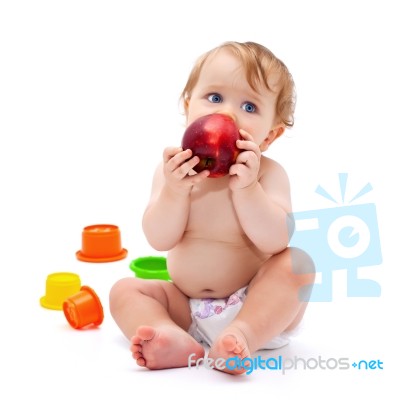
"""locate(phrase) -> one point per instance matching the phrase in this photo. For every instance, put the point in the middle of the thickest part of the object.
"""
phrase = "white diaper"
(211, 316)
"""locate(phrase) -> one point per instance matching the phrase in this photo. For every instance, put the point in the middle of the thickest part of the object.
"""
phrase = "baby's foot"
(164, 347)
(231, 344)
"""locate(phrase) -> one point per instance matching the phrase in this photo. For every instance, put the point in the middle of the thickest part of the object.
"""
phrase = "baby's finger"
(245, 135)
(178, 159)
(170, 152)
(194, 179)
(184, 169)
(248, 158)
(235, 169)
(248, 147)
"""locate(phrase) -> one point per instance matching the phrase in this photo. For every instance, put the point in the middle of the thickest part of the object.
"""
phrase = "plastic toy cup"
(60, 286)
(83, 309)
(150, 268)
(101, 243)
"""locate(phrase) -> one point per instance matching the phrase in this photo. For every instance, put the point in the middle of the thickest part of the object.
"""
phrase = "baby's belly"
(202, 267)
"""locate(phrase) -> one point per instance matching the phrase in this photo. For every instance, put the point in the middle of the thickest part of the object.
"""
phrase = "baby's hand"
(244, 172)
(178, 165)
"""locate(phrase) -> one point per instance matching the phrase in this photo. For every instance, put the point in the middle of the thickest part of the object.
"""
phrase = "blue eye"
(249, 107)
(215, 98)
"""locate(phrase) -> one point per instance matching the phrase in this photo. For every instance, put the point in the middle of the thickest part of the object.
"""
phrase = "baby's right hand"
(177, 166)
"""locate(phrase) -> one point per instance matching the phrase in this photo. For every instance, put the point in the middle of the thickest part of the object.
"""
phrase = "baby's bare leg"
(276, 301)
(155, 316)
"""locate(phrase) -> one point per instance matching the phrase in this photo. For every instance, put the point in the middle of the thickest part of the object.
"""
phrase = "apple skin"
(213, 138)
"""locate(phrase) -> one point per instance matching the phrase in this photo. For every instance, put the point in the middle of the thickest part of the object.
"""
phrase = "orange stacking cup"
(83, 309)
(101, 243)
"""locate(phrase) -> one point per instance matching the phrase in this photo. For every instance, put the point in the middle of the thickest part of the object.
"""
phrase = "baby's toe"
(136, 340)
(136, 347)
(137, 355)
(230, 343)
(141, 362)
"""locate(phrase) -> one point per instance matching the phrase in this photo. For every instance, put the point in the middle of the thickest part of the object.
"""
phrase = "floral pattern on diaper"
(209, 307)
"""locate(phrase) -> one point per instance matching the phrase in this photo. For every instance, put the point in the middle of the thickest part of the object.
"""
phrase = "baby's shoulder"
(274, 180)
(271, 168)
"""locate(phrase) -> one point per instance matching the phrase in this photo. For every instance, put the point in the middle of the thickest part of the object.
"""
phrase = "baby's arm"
(165, 218)
(261, 197)
(263, 210)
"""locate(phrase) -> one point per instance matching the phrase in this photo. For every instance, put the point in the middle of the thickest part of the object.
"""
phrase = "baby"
(236, 285)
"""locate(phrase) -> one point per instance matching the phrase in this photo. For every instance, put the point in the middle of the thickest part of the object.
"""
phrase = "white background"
(88, 100)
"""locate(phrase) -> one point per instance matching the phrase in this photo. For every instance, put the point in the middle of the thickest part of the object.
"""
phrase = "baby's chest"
(213, 213)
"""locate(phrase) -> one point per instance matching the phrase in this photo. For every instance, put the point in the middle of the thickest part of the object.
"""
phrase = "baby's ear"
(272, 135)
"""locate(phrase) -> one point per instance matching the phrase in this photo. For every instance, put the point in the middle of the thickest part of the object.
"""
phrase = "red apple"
(213, 139)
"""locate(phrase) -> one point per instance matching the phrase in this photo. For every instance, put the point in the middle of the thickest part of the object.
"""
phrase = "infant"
(235, 284)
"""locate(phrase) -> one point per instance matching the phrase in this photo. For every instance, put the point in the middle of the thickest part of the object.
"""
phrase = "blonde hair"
(259, 64)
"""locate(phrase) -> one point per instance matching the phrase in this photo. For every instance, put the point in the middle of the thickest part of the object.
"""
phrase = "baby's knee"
(303, 272)
(301, 263)
(297, 264)
(120, 291)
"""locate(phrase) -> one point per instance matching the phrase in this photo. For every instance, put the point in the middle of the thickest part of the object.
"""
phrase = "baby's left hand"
(244, 172)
